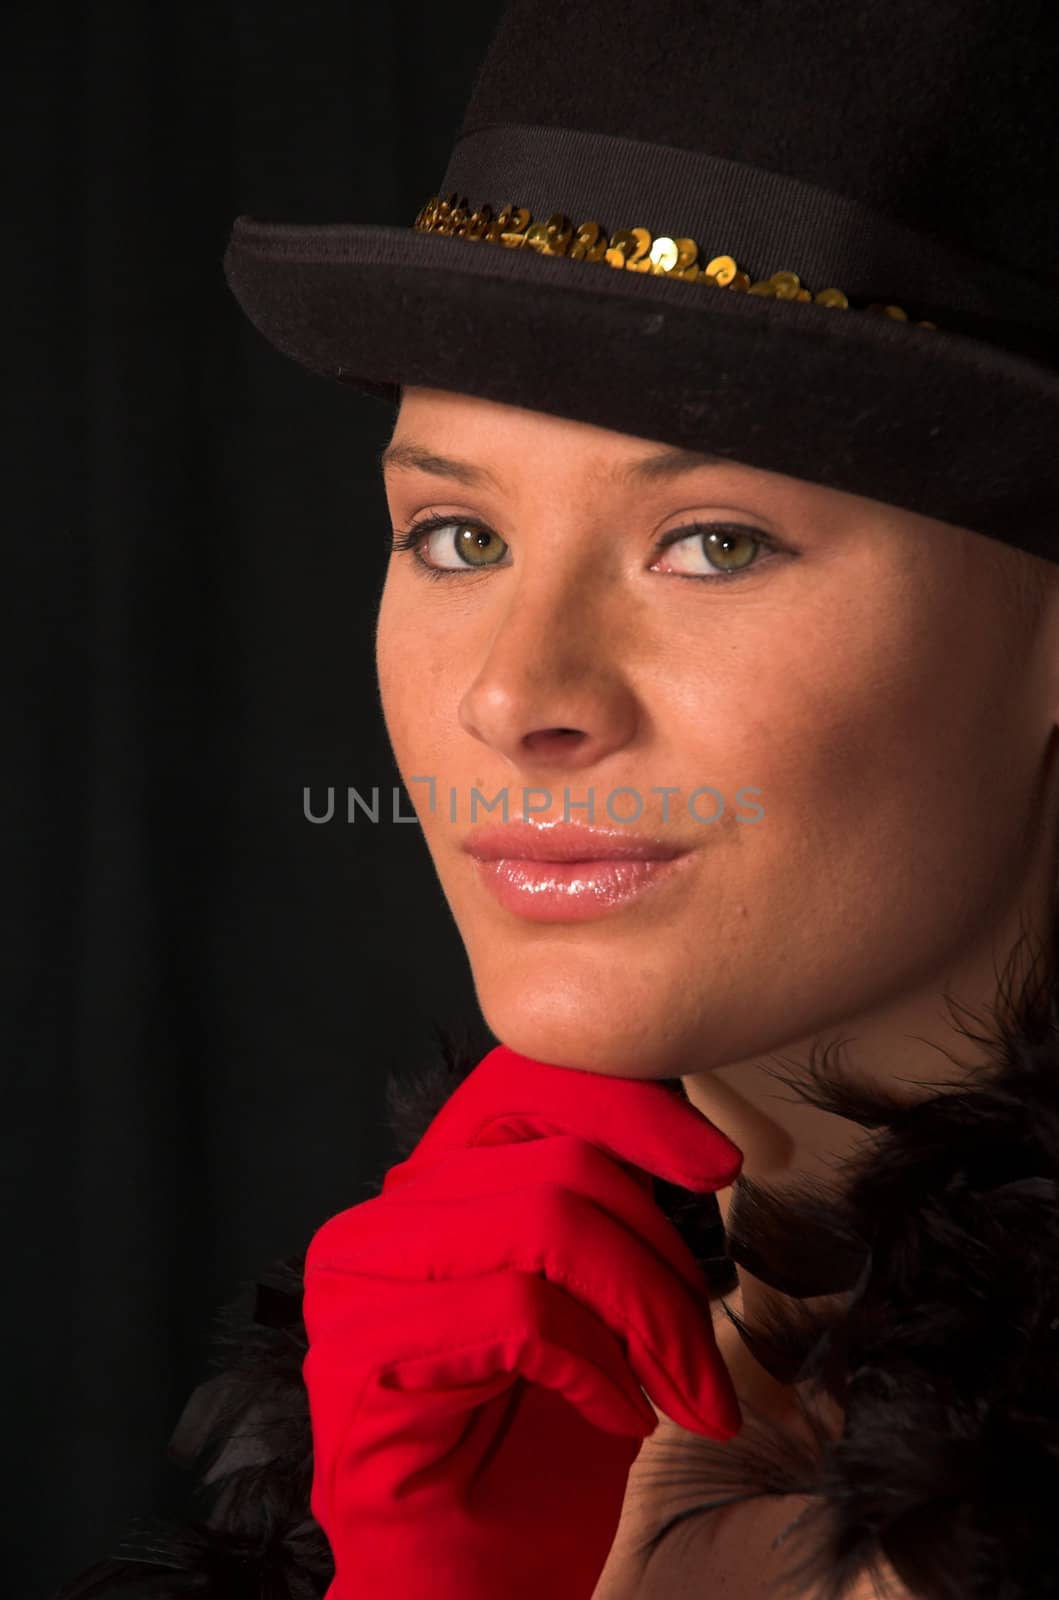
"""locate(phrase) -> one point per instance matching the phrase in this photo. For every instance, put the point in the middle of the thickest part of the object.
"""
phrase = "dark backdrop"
(205, 991)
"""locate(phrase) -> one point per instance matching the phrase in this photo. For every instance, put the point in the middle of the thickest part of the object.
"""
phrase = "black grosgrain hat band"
(627, 204)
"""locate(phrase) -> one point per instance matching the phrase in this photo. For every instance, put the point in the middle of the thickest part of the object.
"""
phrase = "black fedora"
(817, 236)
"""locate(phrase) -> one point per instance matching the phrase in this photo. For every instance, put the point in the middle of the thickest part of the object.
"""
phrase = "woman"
(761, 584)
(724, 624)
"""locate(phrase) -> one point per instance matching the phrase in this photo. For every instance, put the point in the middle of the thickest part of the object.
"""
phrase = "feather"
(939, 1342)
(933, 1265)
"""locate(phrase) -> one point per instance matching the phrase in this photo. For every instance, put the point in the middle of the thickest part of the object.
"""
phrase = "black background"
(205, 991)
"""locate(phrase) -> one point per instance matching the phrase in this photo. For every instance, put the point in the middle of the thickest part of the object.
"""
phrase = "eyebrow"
(406, 455)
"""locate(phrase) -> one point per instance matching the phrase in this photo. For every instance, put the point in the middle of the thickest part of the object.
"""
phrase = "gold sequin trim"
(631, 249)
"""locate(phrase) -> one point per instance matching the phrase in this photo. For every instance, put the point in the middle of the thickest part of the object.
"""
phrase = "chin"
(583, 1027)
(624, 1001)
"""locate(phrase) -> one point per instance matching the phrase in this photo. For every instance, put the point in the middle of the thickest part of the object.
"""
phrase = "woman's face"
(861, 698)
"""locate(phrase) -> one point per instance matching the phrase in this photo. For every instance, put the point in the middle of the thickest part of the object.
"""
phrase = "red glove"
(479, 1333)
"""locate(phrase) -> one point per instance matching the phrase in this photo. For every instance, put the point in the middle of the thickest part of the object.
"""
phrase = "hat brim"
(926, 419)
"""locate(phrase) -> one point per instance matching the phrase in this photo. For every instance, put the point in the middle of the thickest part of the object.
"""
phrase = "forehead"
(656, 464)
(478, 442)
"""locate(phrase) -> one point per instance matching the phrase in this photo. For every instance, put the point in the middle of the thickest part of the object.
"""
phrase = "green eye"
(713, 549)
(713, 552)
(473, 545)
(476, 546)
(724, 542)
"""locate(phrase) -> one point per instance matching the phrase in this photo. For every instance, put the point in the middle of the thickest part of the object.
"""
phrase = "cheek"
(890, 769)
(388, 655)
(400, 658)
(405, 662)
(853, 746)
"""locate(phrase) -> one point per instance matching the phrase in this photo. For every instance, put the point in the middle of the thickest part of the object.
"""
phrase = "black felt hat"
(817, 236)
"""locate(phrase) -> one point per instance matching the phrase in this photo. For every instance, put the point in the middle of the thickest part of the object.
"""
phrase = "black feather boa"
(934, 1267)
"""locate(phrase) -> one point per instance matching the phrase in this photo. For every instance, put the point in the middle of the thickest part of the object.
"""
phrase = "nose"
(552, 690)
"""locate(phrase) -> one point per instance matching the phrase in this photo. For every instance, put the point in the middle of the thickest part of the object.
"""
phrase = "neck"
(910, 1049)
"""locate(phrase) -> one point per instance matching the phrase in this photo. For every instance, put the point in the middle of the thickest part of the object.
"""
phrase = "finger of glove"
(520, 1522)
(508, 1098)
(412, 1363)
(427, 1228)
(490, 1475)
(627, 1280)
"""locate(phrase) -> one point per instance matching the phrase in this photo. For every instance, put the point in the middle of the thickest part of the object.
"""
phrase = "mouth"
(572, 891)
(566, 872)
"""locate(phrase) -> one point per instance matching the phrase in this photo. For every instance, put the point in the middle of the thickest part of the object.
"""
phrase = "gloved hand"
(480, 1331)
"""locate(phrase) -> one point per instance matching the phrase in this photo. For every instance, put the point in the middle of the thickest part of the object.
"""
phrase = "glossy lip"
(569, 872)
(565, 841)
